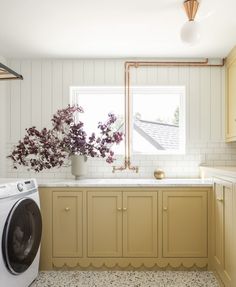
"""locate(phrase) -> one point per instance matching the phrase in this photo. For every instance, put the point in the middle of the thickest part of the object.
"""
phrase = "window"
(157, 112)
(158, 120)
(97, 103)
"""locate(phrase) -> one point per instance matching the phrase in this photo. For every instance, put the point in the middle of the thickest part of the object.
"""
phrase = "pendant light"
(190, 32)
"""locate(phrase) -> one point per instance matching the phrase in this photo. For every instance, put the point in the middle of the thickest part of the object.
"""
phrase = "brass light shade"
(8, 74)
(191, 7)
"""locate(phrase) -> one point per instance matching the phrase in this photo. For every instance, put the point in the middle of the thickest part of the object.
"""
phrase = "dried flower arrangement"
(53, 147)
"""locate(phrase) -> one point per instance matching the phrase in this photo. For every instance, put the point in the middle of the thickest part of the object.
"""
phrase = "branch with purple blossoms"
(50, 148)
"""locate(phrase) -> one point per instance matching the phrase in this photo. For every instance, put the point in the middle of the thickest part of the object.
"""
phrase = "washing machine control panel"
(13, 188)
(20, 186)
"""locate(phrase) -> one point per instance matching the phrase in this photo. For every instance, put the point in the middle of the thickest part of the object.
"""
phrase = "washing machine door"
(22, 235)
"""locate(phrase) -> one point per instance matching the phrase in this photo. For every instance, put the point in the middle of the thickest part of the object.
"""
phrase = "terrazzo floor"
(126, 279)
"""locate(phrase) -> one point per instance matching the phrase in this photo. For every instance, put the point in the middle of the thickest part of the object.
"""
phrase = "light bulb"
(190, 32)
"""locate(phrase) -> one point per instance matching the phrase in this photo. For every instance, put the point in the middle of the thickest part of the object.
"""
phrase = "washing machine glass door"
(22, 235)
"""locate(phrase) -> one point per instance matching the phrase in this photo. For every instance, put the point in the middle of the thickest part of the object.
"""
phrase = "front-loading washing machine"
(20, 232)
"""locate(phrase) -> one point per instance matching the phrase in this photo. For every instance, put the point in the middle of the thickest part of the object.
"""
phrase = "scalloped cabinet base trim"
(74, 263)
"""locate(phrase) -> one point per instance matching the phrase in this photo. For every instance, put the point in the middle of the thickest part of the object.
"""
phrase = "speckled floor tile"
(126, 279)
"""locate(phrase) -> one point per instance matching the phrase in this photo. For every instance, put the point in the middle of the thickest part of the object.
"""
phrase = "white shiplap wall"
(3, 95)
(45, 88)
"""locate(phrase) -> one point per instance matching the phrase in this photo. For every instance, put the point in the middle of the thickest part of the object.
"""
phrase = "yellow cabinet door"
(67, 224)
(231, 102)
(185, 223)
(223, 231)
(104, 224)
(140, 224)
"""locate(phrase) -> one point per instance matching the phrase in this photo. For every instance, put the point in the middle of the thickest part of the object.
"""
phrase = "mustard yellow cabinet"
(104, 224)
(130, 227)
(185, 223)
(224, 224)
(67, 224)
(231, 96)
(122, 224)
(140, 224)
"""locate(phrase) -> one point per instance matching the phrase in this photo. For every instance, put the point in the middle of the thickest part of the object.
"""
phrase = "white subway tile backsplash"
(213, 145)
(225, 156)
(220, 162)
(174, 165)
(211, 156)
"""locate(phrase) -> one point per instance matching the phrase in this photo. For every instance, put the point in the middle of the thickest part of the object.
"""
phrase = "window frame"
(162, 89)
(181, 90)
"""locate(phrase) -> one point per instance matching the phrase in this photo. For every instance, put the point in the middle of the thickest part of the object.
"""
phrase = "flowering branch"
(46, 149)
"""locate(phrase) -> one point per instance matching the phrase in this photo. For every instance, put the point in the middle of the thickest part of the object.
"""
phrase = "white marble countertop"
(208, 171)
(124, 183)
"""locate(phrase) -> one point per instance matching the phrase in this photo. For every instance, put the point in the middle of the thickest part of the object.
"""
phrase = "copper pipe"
(128, 113)
(127, 165)
(137, 64)
(205, 63)
(120, 168)
(127, 162)
(126, 142)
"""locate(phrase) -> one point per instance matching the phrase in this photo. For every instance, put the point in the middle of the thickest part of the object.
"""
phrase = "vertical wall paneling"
(57, 84)
(223, 102)
(110, 72)
(36, 94)
(173, 76)
(67, 81)
(152, 76)
(88, 72)
(194, 101)
(25, 104)
(184, 81)
(46, 83)
(134, 76)
(205, 104)
(3, 125)
(216, 91)
(119, 72)
(78, 72)
(15, 103)
(142, 75)
(163, 76)
(99, 72)
(46, 93)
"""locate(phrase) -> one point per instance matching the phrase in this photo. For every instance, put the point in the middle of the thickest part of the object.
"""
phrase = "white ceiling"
(109, 28)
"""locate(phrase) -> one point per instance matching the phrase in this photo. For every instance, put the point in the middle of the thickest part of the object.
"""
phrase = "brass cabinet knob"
(67, 209)
(165, 208)
(119, 208)
(124, 208)
(220, 199)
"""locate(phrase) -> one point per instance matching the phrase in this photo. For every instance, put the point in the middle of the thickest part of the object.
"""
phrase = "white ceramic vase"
(79, 165)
